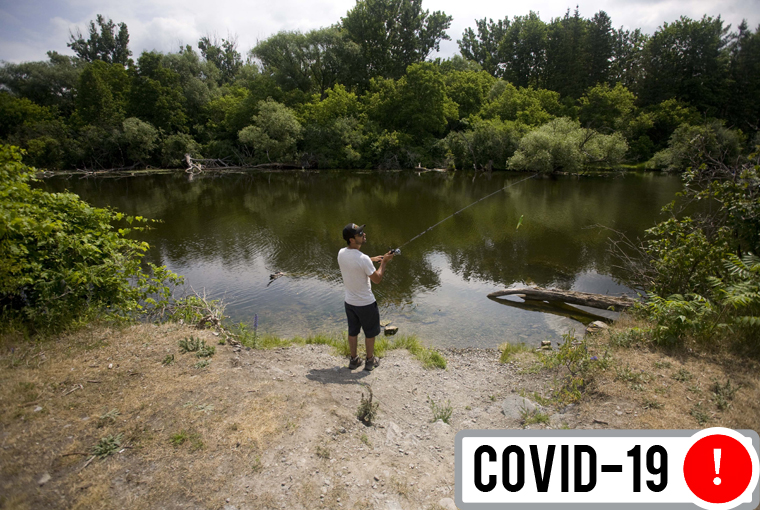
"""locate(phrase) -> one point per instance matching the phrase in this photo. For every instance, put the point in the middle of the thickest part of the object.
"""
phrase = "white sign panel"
(715, 469)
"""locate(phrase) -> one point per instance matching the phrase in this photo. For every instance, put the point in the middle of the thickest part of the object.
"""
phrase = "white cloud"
(162, 24)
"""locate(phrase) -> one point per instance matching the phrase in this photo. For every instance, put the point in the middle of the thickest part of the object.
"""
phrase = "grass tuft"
(204, 363)
(367, 410)
(108, 418)
(107, 446)
(441, 411)
(535, 416)
(723, 393)
(682, 375)
(508, 351)
(190, 344)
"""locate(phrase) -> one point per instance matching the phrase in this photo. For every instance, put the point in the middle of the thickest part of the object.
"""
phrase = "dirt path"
(278, 428)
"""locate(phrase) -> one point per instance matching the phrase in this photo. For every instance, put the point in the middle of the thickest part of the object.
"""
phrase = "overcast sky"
(29, 28)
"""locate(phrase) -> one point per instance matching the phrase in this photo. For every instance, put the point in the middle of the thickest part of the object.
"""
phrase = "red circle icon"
(717, 469)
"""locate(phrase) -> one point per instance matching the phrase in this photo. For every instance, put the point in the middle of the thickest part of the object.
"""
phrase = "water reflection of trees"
(292, 221)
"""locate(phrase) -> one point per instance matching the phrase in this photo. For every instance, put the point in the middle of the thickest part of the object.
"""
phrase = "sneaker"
(354, 362)
(371, 363)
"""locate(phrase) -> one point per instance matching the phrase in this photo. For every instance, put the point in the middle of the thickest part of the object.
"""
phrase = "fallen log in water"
(555, 308)
(569, 296)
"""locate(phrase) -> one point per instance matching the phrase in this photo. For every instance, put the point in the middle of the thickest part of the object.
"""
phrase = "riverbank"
(277, 428)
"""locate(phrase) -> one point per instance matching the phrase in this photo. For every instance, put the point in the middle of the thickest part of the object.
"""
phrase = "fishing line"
(397, 251)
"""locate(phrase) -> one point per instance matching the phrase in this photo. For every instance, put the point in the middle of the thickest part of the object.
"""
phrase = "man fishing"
(358, 271)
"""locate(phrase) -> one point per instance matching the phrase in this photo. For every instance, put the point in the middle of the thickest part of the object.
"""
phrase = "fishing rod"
(397, 251)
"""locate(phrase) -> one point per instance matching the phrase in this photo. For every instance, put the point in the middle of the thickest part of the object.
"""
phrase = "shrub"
(563, 145)
(140, 139)
(174, 149)
(692, 146)
(63, 261)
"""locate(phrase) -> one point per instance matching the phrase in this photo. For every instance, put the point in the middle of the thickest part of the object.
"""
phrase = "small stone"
(448, 504)
(514, 406)
(377, 478)
(227, 500)
(44, 479)
(38, 409)
(391, 330)
(110, 365)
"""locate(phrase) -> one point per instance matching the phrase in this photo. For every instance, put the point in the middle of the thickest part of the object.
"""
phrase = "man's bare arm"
(377, 276)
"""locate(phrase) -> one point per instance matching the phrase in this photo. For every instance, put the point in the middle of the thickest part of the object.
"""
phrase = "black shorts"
(363, 317)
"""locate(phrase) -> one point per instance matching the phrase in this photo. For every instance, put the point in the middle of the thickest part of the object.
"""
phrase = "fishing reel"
(395, 251)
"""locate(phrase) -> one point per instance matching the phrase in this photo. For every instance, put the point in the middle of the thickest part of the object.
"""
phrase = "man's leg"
(369, 345)
(352, 344)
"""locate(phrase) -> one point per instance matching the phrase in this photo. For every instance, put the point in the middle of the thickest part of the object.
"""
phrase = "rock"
(394, 433)
(442, 426)
(596, 326)
(44, 479)
(557, 420)
(392, 504)
(38, 409)
(474, 413)
(546, 345)
(448, 504)
(391, 330)
(229, 507)
(514, 406)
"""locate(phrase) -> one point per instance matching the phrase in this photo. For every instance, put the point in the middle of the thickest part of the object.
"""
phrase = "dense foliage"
(363, 94)
(700, 266)
(63, 261)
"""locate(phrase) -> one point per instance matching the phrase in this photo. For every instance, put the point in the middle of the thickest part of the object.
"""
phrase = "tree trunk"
(568, 296)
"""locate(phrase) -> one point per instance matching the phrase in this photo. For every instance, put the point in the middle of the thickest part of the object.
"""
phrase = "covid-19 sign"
(715, 469)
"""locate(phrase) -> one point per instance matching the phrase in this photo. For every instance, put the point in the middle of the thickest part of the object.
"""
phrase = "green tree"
(606, 108)
(47, 83)
(101, 94)
(522, 51)
(104, 43)
(416, 104)
(394, 34)
(139, 139)
(687, 60)
(468, 89)
(223, 54)
(600, 44)
(627, 57)
(487, 144)
(36, 128)
(156, 94)
(274, 133)
(484, 47)
(525, 105)
(312, 62)
(743, 106)
(198, 79)
(567, 56)
(563, 144)
(333, 133)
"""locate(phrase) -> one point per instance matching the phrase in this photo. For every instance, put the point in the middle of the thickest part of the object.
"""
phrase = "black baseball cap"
(351, 230)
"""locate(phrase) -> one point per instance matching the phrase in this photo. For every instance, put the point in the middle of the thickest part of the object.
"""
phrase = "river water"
(227, 233)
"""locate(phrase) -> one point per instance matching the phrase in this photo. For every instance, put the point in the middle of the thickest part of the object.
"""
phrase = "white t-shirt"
(356, 267)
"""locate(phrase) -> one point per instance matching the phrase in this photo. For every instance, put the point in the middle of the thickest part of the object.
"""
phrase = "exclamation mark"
(716, 458)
